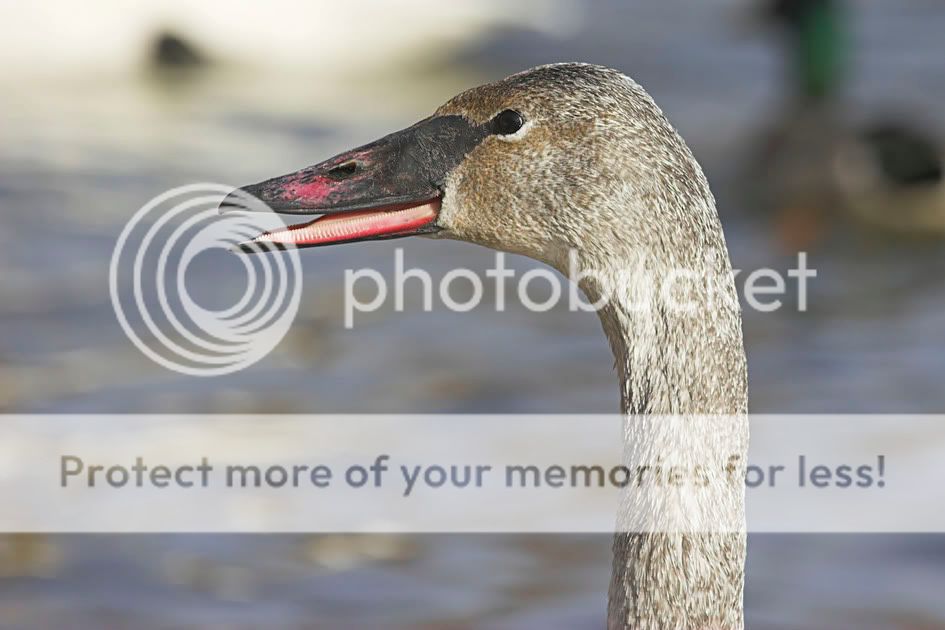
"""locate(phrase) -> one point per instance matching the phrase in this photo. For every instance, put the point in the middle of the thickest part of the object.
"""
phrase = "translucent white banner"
(463, 473)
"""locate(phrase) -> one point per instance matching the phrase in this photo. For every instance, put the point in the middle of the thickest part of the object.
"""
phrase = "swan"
(573, 158)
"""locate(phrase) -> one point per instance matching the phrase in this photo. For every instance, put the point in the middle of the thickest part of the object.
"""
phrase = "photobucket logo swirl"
(149, 271)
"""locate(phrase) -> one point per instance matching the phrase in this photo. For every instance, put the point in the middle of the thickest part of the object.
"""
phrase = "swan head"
(555, 161)
(557, 158)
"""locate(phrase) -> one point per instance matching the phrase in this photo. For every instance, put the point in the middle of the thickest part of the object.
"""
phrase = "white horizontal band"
(463, 473)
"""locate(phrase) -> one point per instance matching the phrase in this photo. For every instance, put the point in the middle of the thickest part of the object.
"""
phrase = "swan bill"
(389, 188)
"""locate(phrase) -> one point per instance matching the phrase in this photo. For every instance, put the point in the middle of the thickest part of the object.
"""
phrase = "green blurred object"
(820, 42)
(822, 50)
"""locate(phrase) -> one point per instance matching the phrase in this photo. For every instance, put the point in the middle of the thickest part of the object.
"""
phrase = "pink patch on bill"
(313, 192)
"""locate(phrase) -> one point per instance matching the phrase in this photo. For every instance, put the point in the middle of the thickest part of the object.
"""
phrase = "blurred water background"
(80, 151)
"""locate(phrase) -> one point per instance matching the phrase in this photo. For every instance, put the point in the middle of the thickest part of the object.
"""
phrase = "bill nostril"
(344, 170)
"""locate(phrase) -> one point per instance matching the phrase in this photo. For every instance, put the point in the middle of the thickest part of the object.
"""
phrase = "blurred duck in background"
(111, 38)
(887, 174)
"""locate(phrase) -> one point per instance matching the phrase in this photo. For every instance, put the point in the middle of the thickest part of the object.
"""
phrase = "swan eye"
(507, 122)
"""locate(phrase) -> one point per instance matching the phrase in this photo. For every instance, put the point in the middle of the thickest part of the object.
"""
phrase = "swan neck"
(672, 364)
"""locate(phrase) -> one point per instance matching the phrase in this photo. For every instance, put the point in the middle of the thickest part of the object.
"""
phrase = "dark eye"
(507, 122)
